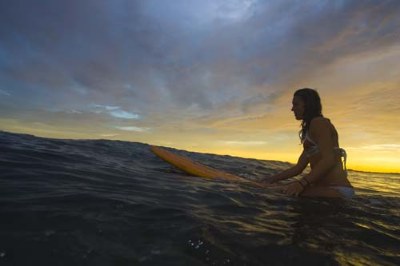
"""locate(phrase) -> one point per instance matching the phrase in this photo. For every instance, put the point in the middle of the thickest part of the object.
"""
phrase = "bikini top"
(311, 148)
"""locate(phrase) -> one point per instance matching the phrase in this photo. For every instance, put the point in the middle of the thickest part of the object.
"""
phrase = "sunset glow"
(207, 76)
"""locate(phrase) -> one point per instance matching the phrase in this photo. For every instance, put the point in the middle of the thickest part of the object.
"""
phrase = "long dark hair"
(312, 108)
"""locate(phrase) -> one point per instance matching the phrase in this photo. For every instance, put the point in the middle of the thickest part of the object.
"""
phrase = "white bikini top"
(311, 148)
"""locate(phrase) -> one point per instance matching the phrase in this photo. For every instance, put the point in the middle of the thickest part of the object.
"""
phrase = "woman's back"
(337, 175)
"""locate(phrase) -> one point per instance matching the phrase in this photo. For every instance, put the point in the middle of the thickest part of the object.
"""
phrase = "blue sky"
(204, 75)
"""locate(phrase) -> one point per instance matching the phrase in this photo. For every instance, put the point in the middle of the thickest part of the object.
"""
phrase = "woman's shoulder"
(320, 120)
(320, 123)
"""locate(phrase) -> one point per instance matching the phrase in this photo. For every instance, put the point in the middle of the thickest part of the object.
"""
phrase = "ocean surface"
(102, 202)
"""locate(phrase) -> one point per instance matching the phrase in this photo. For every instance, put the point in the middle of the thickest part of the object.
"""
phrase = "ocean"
(103, 202)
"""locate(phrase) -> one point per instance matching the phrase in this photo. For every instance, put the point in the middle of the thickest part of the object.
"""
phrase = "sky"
(214, 76)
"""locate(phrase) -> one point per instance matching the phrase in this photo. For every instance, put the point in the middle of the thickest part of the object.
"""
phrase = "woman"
(328, 175)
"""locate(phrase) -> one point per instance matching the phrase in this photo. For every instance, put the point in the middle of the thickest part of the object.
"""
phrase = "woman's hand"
(293, 188)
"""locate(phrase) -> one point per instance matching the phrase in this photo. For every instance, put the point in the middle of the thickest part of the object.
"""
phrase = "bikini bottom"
(347, 192)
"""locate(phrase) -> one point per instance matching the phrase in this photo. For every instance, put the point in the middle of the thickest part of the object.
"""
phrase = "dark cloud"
(151, 55)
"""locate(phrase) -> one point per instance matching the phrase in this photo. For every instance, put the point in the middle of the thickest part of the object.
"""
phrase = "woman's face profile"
(298, 107)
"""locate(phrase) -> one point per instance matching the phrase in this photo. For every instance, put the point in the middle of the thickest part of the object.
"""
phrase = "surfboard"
(196, 169)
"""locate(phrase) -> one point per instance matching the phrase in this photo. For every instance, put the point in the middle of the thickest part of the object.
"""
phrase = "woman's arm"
(293, 171)
(320, 131)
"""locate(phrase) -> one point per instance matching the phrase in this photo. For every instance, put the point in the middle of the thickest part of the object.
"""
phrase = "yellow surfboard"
(194, 168)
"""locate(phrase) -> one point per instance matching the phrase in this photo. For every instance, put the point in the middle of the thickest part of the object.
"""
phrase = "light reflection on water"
(372, 183)
(114, 203)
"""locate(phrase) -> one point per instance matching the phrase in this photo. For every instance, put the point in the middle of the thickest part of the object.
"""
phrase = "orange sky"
(207, 76)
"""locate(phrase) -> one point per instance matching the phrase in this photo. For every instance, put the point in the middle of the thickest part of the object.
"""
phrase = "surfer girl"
(328, 175)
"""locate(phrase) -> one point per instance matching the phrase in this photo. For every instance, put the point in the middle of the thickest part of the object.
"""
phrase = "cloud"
(114, 111)
(132, 128)
(203, 53)
(381, 147)
(207, 66)
(124, 114)
(108, 135)
(4, 93)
